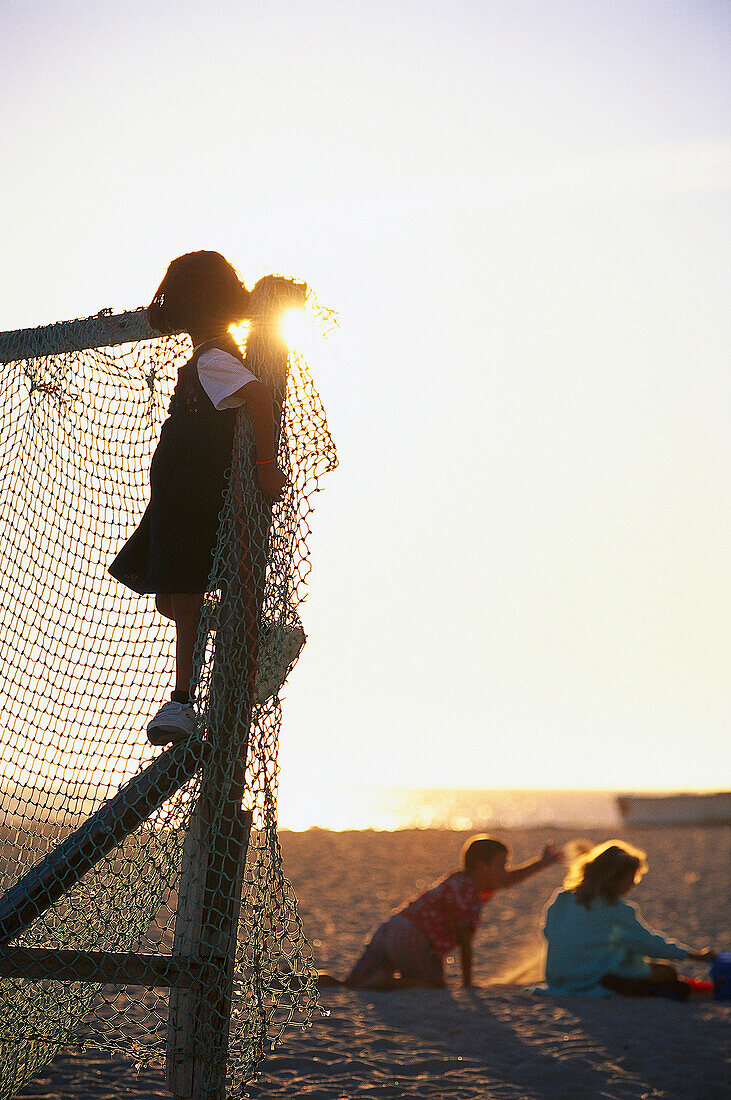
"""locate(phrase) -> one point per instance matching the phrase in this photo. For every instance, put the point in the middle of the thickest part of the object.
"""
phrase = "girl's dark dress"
(172, 548)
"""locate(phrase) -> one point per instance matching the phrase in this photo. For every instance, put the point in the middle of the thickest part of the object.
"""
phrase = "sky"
(520, 212)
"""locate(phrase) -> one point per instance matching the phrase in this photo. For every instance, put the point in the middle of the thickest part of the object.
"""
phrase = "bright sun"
(296, 328)
(302, 328)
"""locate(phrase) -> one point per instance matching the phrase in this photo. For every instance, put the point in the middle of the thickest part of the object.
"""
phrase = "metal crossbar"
(105, 330)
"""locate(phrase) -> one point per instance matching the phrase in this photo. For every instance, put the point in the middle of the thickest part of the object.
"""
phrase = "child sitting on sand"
(409, 948)
(597, 942)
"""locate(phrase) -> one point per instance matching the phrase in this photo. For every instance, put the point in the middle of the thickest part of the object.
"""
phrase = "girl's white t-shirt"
(221, 375)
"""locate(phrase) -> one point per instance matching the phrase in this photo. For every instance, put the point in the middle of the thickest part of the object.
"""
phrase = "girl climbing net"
(171, 552)
(71, 482)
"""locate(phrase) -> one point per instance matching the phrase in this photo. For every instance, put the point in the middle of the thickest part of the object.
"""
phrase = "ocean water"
(441, 808)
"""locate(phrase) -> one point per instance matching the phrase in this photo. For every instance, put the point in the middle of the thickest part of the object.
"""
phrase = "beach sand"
(499, 1039)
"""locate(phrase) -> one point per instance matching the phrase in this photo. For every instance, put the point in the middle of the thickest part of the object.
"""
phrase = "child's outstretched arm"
(513, 875)
(258, 403)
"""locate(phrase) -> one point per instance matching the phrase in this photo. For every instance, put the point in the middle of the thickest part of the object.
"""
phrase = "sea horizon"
(365, 807)
(392, 809)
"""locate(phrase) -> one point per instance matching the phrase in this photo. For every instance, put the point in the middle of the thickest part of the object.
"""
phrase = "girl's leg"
(372, 967)
(186, 610)
(663, 973)
(629, 987)
(164, 604)
(410, 954)
(663, 981)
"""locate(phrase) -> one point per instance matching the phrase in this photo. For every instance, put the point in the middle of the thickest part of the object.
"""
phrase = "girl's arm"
(513, 875)
(644, 940)
(464, 937)
(257, 399)
(706, 954)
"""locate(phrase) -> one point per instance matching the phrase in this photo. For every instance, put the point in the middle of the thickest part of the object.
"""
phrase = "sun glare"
(296, 328)
(240, 332)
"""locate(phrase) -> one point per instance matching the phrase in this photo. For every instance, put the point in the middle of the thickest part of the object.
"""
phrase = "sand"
(499, 1039)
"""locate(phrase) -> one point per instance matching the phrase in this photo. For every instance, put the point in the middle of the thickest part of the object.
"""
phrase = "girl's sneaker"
(172, 724)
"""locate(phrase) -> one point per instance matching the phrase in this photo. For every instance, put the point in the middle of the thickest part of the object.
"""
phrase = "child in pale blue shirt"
(597, 941)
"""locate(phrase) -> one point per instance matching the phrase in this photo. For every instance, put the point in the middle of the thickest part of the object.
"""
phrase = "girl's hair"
(200, 290)
(604, 870)
(481, 849)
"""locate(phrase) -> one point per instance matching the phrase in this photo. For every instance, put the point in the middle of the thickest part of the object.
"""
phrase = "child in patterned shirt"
(409, 948)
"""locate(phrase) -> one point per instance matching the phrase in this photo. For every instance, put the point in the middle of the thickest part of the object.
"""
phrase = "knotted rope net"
(120, 863)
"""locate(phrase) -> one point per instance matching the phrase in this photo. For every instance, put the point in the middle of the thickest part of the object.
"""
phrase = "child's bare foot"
(324, 979)
(386, 980)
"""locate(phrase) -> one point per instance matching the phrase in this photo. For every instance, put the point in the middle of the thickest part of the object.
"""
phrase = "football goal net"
(143, 905)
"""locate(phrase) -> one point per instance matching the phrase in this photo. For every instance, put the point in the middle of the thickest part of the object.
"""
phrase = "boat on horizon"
(712, 808)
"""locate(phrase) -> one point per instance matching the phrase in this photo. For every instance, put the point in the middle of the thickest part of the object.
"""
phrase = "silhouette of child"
(409, 948)
(170, 553)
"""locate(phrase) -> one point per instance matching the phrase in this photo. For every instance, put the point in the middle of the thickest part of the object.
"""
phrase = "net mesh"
(107, 845)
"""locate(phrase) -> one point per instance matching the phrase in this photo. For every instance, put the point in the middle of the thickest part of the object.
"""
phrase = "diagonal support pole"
(69, 861)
